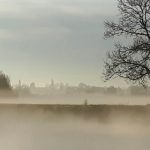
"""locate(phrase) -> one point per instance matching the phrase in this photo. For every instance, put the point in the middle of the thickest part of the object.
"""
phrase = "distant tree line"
(59, 89)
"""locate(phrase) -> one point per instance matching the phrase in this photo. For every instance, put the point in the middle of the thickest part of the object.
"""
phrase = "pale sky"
(59, 39)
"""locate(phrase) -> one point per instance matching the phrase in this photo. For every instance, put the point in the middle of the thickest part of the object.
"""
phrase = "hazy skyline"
(62, 40)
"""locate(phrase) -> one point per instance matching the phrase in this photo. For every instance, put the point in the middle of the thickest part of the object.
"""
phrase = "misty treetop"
(130, 62)
(4, 82)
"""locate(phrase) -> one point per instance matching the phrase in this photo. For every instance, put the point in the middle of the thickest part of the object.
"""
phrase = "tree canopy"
(4, 82)
(131, 62)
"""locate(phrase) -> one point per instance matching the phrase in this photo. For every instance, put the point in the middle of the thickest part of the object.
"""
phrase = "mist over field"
(74, 117)
(79, 99)
(79, 117)
(30, 127)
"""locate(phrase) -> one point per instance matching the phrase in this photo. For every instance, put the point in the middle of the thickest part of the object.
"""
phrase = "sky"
(61, 40)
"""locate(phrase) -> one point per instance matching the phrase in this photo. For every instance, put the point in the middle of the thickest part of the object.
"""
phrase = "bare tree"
(130, 62)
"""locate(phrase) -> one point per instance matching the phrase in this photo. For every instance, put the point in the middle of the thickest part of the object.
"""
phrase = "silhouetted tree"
(4, 82)
(130, 62)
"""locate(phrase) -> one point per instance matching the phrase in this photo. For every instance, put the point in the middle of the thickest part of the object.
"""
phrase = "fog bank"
(30, 127)
(78, 99)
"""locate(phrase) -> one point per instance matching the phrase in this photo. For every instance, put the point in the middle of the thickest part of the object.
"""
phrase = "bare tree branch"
(130, 62)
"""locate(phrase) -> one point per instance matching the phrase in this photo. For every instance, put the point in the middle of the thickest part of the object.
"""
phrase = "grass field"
(71, 127)
(101, 113)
